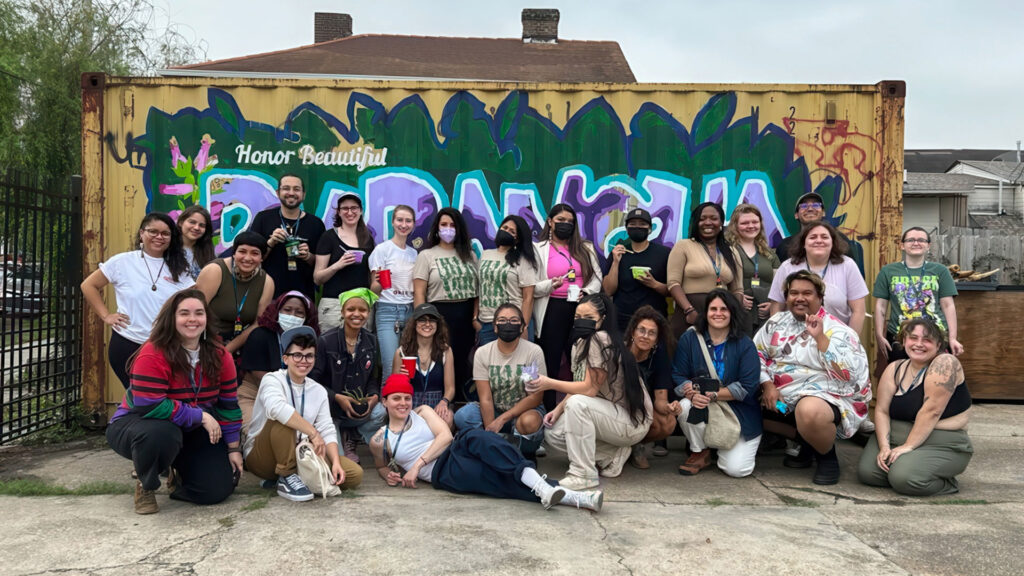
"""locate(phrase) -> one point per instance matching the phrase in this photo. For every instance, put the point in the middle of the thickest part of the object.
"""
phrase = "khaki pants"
(273, 455)
(247, 392)
(592, 432)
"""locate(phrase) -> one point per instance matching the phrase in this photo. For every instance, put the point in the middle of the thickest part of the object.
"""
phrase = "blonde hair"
(732, 233)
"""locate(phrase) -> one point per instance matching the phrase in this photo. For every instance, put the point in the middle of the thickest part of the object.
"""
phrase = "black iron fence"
(41, 305)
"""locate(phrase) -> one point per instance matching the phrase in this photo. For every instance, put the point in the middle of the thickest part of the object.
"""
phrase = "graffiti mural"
(490, 162)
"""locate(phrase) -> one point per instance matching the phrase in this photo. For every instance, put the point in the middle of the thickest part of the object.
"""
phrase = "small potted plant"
(360, 404)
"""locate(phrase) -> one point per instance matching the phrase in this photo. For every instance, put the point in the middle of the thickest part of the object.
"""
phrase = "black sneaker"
(292, 488)
(803, 459)
(827, 472)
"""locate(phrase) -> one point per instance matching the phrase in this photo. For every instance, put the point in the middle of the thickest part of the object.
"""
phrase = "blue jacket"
(742, 375)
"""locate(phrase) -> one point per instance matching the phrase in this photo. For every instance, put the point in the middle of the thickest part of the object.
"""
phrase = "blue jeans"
(366, 426)
(390, 319)
(469, 418)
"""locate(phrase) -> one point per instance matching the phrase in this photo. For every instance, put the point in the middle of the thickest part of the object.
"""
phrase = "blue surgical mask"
(287, 321)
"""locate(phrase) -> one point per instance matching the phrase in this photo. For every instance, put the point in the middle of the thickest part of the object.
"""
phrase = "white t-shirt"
(275, 402)
(133, 289)
(388, 256)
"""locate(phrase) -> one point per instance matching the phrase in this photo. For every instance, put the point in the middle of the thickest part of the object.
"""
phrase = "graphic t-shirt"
(914, 292)
(500, 283)
(504, 373)
(449, 279)
(399, 261)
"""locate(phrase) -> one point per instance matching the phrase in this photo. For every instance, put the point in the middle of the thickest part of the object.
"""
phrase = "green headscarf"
(364, 293)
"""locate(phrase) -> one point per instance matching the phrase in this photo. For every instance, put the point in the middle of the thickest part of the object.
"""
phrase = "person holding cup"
(341, 263)
(635, 274)
(426, 359)
(391, 265)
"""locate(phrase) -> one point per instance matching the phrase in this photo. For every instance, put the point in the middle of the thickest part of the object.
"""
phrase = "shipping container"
(488, 149)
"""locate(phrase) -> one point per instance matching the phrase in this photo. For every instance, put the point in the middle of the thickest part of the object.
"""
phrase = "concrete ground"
(653, 522)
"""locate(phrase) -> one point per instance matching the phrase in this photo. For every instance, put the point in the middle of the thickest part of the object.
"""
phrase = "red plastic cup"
(384, 277)
(409, 363)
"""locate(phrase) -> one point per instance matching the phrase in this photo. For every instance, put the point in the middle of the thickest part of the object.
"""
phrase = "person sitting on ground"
(817, 367)
(607, 408)
(180, 411)
(425, 338)
(346, 364)
(288, 406)
(261, 352)
(921, 415)
(721, 324)
(416, 445)
(498, 367)
(647, 337)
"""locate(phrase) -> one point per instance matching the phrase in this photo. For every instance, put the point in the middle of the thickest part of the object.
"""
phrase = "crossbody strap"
(707, 357)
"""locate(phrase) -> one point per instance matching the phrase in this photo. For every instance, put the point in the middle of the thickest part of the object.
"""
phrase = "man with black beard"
(635, 274)
(290, 232)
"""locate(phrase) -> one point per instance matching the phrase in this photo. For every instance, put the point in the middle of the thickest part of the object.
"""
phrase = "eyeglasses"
(426, 320)
(647, 333)
(158, 233)
(916, 241)
(504, 322)
(810, 205)
(300, 357)
(350, 209)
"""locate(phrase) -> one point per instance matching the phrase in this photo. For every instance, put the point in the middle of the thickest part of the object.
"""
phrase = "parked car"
(23, 290)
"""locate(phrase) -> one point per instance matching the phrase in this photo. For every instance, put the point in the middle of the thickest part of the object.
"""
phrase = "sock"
(530, 477)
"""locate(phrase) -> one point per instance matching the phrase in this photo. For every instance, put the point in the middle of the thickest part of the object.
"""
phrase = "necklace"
(150, 272)
(238, 273)
(392, 462)
(915, 381)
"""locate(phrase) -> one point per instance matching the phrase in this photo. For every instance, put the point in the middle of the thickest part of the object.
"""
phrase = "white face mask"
(287, 321)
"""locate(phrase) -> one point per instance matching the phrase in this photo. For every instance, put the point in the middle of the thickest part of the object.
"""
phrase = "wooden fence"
(981, 251)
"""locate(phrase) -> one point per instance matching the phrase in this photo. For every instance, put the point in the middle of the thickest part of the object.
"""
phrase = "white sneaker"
(589, 499)
(867, 426)
(549, 495)
(541, 452)
(578, 483)
(792, 448)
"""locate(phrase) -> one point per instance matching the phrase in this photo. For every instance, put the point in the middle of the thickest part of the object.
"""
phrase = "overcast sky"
(960, 59)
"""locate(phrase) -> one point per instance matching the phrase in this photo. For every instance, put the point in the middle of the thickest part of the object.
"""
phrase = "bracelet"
(446, 401)
(235, 450)
(423, 460)
(688, 310)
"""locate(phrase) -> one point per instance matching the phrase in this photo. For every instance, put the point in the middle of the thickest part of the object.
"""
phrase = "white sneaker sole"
(556, 496)
(296, 497)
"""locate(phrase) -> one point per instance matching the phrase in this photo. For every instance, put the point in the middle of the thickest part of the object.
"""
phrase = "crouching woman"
(180, 411)
(417, 445)
(289, 405)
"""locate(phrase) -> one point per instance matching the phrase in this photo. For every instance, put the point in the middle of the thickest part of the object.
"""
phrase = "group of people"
(460, 370)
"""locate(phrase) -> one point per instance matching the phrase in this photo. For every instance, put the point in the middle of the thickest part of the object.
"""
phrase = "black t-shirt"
(631, 294)
(349, 277)
(310, 228)
(261, 352)
(657, 371)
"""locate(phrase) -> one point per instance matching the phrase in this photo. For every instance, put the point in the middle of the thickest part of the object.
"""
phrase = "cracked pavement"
(653, 522)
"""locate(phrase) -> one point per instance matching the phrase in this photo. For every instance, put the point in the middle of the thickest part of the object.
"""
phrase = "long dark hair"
(174, 255)
(523, 247)
(202, 250)
(735, 313)
(165, 337)
(268, 319)
(577, 247)
(616, 356)
(461, 243)
(362, 233)
(720, 242)
(410, 346)
(839, 245)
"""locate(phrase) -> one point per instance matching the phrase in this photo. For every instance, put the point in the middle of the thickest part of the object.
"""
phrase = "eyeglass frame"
(300, 357)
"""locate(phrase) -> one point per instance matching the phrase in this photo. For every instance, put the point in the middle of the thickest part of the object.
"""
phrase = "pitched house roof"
(1012, 172)
(918, 183)
(941, 160)
(414, 57)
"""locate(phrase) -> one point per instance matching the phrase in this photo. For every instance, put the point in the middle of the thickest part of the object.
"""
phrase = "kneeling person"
(504, 406)
(290, 405)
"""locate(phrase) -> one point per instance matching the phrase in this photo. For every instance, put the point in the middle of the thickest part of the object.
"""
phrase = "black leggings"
(204, 472)
(554, 340)
(461, 338)
(119, 353)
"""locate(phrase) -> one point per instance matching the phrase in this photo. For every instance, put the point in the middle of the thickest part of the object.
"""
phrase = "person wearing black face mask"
(635, 274)
(569, 271)
(498, 367)
(507, 274)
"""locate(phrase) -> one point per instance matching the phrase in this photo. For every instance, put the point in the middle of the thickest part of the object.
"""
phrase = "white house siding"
(923, 212)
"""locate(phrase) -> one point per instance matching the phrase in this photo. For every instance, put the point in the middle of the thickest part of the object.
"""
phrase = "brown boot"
(145, 500)
(696, 462)
(639, 457)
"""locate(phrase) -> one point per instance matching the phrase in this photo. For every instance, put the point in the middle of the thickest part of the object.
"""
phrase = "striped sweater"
(157, 392)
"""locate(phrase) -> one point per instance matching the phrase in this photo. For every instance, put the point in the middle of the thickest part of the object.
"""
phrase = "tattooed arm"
(942, 377)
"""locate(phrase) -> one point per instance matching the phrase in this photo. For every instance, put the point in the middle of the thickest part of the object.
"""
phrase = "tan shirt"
(449, 279)
(503, 373)
(689, 266)
(500, 283)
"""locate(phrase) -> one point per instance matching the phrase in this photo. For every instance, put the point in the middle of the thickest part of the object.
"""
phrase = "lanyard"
(568, 259)
(238, 306)
(717, 356)
(302, 412)
(398, 441)
(289, 229)
(919, 285)
(757, 264)
(823, 272)
(196, 387)
(715, 263)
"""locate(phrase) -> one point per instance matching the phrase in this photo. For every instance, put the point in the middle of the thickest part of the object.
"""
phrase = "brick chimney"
(331, 26)
(540, 25)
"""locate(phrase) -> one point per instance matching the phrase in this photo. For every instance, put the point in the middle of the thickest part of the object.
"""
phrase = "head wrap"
(364, 293)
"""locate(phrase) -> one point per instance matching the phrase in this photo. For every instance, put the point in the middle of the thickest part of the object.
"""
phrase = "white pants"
(737, 461)
(592, 431)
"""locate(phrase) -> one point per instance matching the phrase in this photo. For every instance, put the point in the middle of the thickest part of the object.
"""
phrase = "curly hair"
(647, 312)
(931, 330)
(410, 344)
(174, 255)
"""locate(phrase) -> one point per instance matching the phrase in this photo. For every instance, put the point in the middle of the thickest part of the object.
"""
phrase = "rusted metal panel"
(493, 148)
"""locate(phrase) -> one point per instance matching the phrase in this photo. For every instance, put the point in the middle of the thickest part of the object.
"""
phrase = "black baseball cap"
(425, 310)
(639, 214)
(806, 197)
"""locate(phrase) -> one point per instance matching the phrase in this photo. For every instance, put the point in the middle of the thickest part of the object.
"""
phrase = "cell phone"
(235, 477)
